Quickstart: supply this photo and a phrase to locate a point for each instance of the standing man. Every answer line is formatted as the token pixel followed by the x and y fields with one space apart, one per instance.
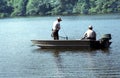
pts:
pixel 56 28
pixel 90 33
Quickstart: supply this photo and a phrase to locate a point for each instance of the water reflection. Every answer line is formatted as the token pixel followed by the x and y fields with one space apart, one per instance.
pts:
pixel 58 61
pixel 56 51
pixel 76 63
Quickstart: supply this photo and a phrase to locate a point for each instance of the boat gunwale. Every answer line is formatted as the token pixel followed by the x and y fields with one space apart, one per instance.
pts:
pixel 86 40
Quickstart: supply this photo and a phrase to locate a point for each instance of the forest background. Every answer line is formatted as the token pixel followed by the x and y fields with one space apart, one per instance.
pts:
pixel 13 8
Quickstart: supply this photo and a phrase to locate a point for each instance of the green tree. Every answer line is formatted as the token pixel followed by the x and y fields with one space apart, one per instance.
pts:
pixel 18 7
pixel 5 9
pixel 57 7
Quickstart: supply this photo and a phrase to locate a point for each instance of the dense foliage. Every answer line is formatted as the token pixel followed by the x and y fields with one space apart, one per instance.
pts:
pixel 10 8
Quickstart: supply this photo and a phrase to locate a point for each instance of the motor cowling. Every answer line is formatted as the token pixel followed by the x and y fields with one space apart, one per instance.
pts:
pixel 104 41
pixel 106 37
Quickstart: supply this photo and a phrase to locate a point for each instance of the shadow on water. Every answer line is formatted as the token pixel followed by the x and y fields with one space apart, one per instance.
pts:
pixel 56 50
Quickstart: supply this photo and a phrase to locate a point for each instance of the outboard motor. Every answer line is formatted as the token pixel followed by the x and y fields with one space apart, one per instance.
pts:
pixel 104 41
pixel 106 37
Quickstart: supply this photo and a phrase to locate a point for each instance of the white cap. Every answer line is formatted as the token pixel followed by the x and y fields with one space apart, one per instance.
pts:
pixel 90 26
pixel 58 18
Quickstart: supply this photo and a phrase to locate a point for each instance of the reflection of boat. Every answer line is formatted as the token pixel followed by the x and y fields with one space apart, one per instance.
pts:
pixel 79 44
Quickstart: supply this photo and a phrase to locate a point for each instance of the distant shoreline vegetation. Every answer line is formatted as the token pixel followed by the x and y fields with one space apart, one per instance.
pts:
pixel 14 8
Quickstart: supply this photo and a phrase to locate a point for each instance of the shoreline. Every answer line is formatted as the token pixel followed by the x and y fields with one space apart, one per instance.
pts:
pixel 60 15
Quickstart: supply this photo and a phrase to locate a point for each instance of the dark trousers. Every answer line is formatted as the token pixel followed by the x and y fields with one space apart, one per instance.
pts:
pixel 55 34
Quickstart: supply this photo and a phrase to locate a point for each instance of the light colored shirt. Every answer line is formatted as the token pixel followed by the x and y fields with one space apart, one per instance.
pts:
pixel 56 25
pixel 90 34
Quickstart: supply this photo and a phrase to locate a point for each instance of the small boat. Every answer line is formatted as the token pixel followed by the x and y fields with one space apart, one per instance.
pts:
pixel 104 42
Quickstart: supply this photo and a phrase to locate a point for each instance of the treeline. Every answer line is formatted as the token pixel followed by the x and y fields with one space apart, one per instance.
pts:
pixel 11 8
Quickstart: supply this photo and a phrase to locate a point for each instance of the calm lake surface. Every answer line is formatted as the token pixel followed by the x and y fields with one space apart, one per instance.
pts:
pixel 20 59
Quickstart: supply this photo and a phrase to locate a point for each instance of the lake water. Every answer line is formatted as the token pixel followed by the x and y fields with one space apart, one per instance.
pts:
pixel 20 59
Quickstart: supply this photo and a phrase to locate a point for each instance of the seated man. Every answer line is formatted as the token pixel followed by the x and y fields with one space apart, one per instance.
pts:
pixel 90 33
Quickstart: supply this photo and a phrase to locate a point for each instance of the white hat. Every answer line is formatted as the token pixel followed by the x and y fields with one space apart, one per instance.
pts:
pixel 58 18
pixel 90 26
